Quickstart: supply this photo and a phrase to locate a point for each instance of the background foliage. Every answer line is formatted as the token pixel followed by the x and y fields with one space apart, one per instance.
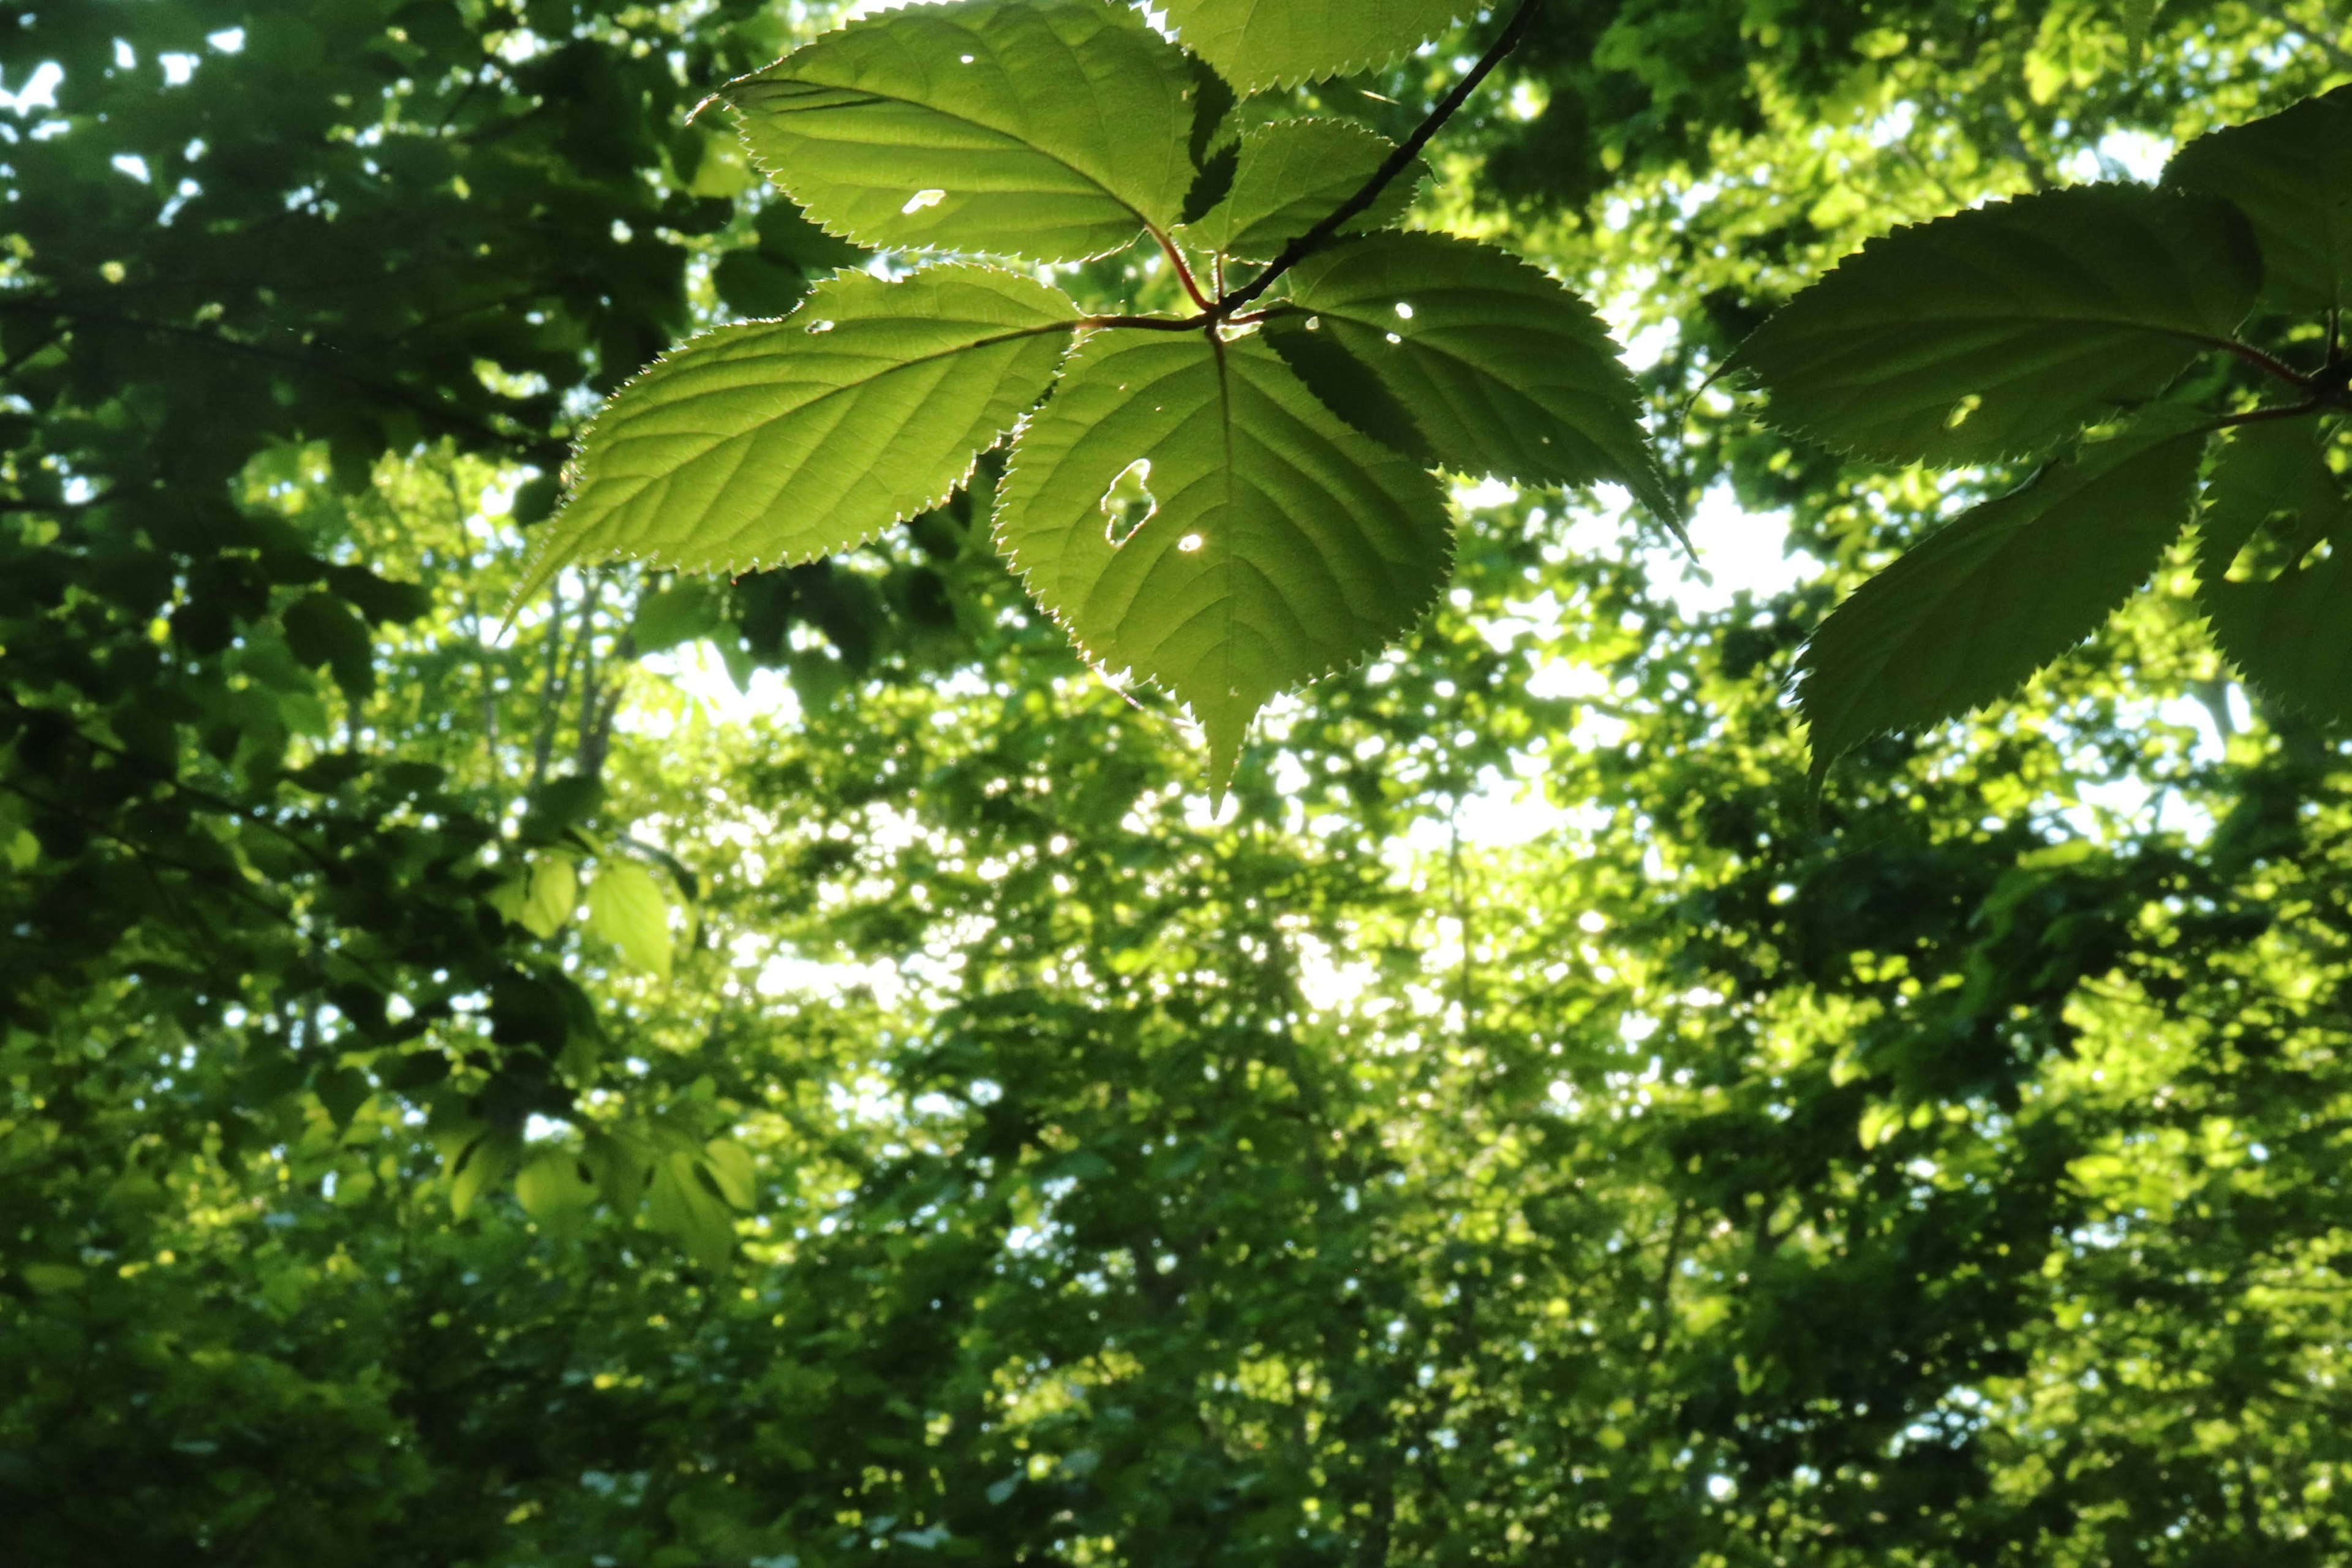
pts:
pixel 1044 1167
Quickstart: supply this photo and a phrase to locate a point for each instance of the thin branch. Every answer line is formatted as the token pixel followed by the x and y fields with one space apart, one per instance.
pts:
pixel 1315 238
pixel 1184 272
pixel 2253 356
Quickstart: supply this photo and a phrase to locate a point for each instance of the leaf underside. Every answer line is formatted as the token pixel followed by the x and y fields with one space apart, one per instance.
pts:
pixel 1260 44
pixel 1503 370
pixel 1285 545
pixel 770 442
pixel 2276 505
pixel 2291 174
pixel 1054 131
pixel 1292 174
pixel 1968 616
pixel 2000 332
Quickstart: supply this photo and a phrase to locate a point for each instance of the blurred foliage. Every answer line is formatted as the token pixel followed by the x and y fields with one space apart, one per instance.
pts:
pixel 1020 1162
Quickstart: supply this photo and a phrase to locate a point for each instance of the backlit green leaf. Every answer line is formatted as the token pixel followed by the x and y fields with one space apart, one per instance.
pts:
pixel 1966 617
pixel 556 1188
pixel 1050 129
pixel 683 1200
pixel 1284 545
pixel 2003 331
pixel 2291 174
pixel 1505 371
pixel 483 1162
pixel 554 891
pixel 2274 565
pixel 1292 174
pixel 781 441
pixel 626 909
pixel 1275 43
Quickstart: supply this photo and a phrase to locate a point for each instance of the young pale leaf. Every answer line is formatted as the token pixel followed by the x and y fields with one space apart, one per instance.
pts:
pixel 1054 129
pixel 479 1165
pixel 1260 44
pixel 626 909
pixel 1505 371
pixel 781 441
pixel 1966 617
pixel 556 1188
pixel 2002 331
pixel 1284 545
pixel 1292 174
pixel 2292 174
pixel 2274 565
pixel 554 891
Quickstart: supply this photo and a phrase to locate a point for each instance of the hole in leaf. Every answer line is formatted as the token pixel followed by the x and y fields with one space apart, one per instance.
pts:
pixel 1128 504
pixel 967 59
pixel 1394 338
pixel 1189 543
pixel 1403 310
pixel 1314 323
pixel 1961 410
pixel 820 326
pixel 922 199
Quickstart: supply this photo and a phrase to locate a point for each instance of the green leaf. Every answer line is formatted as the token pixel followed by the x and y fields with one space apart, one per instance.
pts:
pixel 684 1200
pixel 619 1165
pixel 2291 174
pixel 485 1161
pixel 1505 371
pixel 2274 565
pixel 626 909
pixel 2003 331
pixel 322 629
pixel 1966 617
pixel 556 1188
pixel 1284 546
pixel 781 441
pixel 731 1168
pixel 1292 174
pixel 1054 129
pixel 554 891
pixel 1280 43
pixel 680 612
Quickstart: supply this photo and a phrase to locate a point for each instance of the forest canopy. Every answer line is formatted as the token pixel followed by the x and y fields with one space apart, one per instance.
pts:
pixel 728 1015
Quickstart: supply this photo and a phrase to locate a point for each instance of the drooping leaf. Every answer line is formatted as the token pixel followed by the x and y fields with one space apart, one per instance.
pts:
pixel 626 909
pixel 2274 565
pixel 485 1159
pixel 1966 617
pixel 556 1188
pixel 1290 175
pixel 2291 174
pixel 554 891
pixel 1284 545
pixel 684 1200
pixel 2002 331
pixel 1278 43
pixel 781 441
pixel 1505 371
pixel 1054 129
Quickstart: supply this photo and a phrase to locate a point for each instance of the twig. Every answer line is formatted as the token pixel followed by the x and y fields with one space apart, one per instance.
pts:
pixel 1315 238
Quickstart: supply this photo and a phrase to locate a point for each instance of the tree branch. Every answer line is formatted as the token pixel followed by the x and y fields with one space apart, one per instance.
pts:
pixel 1315 238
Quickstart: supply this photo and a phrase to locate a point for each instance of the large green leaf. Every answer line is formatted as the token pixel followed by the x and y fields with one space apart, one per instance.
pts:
pixel 1049 129
pixel 625 907
pixel 2274 565
pixel 1966 617
pixel 1292 174
pixel 1283 544
pixel 1278 43
pixel 1503 370
pixel 777 441
pixel 2002 331
pixel 2292 174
